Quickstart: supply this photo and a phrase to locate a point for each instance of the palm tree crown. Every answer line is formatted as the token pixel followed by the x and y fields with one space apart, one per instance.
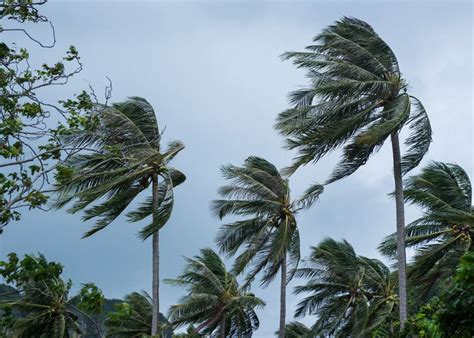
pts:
pixel 351 295
pixel 122 154
pixel 214 300
pixel 445 231
pixel 269 231
pixel 41 304
pixel 132 318
pixel 357 98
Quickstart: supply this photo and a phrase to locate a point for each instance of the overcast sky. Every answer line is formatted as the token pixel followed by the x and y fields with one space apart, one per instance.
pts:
pixel 213 73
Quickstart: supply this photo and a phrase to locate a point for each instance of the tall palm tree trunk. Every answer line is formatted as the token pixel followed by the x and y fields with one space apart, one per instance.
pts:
pixel 281 331
pixel 400 212
pixel 156 262
pixel 223 327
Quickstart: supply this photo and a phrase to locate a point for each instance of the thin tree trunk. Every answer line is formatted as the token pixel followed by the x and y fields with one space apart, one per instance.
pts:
pixel 155 330
pixel 400 211
pixel 281 331
pixel 223 327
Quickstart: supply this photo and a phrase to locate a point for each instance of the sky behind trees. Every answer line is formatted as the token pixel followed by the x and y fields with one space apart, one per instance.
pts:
pixel 213 73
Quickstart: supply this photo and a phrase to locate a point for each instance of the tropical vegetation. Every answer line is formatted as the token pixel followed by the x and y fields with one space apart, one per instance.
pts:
pixel 125 158
pixel 107 160
pixel 446 229
pixel 214 302
pixel 351 295
pixel 40 304
pixel 357 98
pixel 268 234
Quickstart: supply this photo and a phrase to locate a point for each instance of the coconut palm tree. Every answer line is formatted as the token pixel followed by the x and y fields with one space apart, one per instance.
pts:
pixel 214 301
pixel 445 231
pixel 132 318
pixel 45 311
pixel 351 295
pixel 358 99
pixel 268 233
pixel 40 304
pixel 123 158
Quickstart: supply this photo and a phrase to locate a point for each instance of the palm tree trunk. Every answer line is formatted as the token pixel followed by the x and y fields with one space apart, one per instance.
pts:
pixel 155 331
pixel 400 212
pixel 281 331
pixel 223 327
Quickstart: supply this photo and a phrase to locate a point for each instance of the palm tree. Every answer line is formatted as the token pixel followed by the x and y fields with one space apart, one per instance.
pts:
pixel 214 301
pixel 45 311
pixel 445 231
pixel 132 318
pixel 357 99
pixel 269 232
pixel 124 157
pixel 351 295
pixel 40 304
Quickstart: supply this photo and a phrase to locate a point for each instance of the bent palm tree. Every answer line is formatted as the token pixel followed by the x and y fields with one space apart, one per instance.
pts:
pixel 46 311
pixel 214 300
pixel 40 304
pixel 357 98
pixel 269 234
pixel 132 318
pixel 446 229
pixel 350 294
pixel 124 158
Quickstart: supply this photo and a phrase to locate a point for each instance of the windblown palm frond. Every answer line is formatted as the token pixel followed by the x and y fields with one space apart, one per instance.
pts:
pixel 445 230
pixel 214 301
pixel 356 99
pixel 268 233
pixel 42 305
pixel 47 312
pixel 132 318
pixel 123 153
pixel 267 236
pixel 351 295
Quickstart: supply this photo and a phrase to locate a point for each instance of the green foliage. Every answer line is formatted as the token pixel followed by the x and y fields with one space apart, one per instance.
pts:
pixel 43 303
pixel 423 323
pixel 356 99
pixel 123 155
pixel 30 146
pixel 452 312
pixel 268 234
pixel 30 269
pixel 456 316
pixel 131 318
pixel 214 302
pixel 90 299
pixel 445 230
pixel 351 295
pixel 39 304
